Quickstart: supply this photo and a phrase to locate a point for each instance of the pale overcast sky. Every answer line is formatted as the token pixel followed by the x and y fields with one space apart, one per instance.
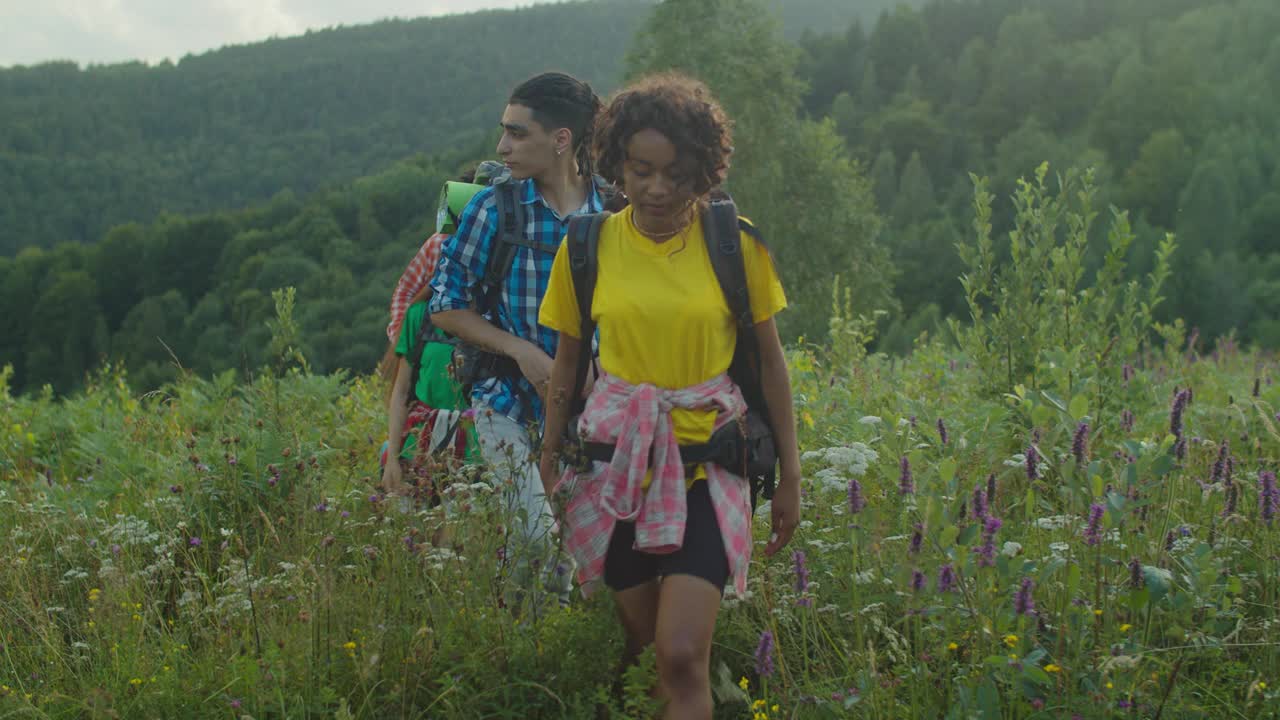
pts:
pixel 98 31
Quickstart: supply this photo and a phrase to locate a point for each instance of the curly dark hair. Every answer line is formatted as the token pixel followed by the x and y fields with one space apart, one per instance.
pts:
pixel 679 107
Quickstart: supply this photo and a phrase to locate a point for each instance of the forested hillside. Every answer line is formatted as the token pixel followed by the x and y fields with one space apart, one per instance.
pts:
pixel 84 150
pixel 336 142
pixel 1175 102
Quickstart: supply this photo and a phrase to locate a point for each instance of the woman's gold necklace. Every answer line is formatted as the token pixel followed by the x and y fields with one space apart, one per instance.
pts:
pixel 655 235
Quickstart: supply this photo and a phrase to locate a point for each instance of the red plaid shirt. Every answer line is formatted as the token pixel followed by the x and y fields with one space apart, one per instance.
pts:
pixel 414 278
pixel 637 418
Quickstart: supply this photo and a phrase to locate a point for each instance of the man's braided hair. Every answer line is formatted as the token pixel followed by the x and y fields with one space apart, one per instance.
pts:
pixel 559 101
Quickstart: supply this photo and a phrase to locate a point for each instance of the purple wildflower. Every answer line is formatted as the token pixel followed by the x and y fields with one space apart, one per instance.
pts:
pixel 1033 462
pixel 856 501
pixel 1168 541
pixel 1136 578
pixel 1093 532
pixel 1180 449
pixel 1233 496
pixel 1023 602
pixel 115 548
pixel 194 541
pixel 764 655
pixel 1080 443
pixel 375 498
pixel 235 703
pixel 322 507
pixel 202 467
pixel 175 489
pixel 1126 420
pixel 1220 466
pixel 1175 413
pixel 917 581
pixel 1126 372
pixel 942 431
pixel 906 484
pixel 917 537
pixel 1268 499
pixel 946 578
pixel 802 572
pixel 987 553
pixel 979 503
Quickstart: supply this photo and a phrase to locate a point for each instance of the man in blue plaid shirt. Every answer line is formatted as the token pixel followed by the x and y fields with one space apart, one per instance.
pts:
pixel 546 146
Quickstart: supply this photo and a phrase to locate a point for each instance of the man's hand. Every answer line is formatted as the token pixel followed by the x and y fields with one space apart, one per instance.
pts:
pixel 785 508
pixel 393 478
pixel 535 365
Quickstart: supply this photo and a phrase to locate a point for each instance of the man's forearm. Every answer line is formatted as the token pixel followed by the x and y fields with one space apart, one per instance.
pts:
pixel 472 328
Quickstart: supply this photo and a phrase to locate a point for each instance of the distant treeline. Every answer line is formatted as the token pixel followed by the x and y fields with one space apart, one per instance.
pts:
pixel 1174 102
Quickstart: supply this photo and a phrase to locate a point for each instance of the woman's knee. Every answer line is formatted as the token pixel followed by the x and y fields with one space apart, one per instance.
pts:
pixel 683 661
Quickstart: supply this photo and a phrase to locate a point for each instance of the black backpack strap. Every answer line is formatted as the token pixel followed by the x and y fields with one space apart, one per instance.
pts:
pixel 510 235
pixel 724 244
pixel 584 241
pixel 722 229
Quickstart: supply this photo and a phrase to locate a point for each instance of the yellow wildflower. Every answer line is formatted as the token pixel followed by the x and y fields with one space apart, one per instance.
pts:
pixel 952 647
pixel 743 683
pixel 1051 668
pixel 135 682
pixel 1109 685
pixel 1097 613
pixel 1126 627
pixel 758 704
pixel 1262 685
pixel 775 706
pixel 1010 640
pixel 137 617
pixel 349 646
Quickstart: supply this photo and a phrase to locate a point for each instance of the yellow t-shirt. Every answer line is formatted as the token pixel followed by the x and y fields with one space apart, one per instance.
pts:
pixel 662 316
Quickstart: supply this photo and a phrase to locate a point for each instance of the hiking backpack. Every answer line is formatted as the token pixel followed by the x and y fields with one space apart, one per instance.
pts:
pixel 748 442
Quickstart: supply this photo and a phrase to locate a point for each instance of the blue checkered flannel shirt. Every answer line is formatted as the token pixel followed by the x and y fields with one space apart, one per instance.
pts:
pixel 457 283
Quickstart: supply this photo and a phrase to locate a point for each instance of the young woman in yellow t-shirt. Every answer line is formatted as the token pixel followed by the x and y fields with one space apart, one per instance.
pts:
pixel 666 332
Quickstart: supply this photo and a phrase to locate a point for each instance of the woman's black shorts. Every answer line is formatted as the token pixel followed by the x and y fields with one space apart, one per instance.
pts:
pixel 702 554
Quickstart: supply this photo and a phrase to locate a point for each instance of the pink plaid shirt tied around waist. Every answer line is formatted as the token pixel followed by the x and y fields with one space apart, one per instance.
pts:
pixel 637 420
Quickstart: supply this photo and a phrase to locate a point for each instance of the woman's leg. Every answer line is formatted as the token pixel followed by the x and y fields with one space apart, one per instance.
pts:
pixel 638 611
pixel 687 609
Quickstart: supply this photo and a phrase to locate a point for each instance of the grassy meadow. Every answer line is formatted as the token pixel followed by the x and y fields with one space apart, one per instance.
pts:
pixel 1064 510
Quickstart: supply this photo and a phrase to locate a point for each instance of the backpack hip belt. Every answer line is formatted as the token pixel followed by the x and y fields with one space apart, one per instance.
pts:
pixel 744 447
